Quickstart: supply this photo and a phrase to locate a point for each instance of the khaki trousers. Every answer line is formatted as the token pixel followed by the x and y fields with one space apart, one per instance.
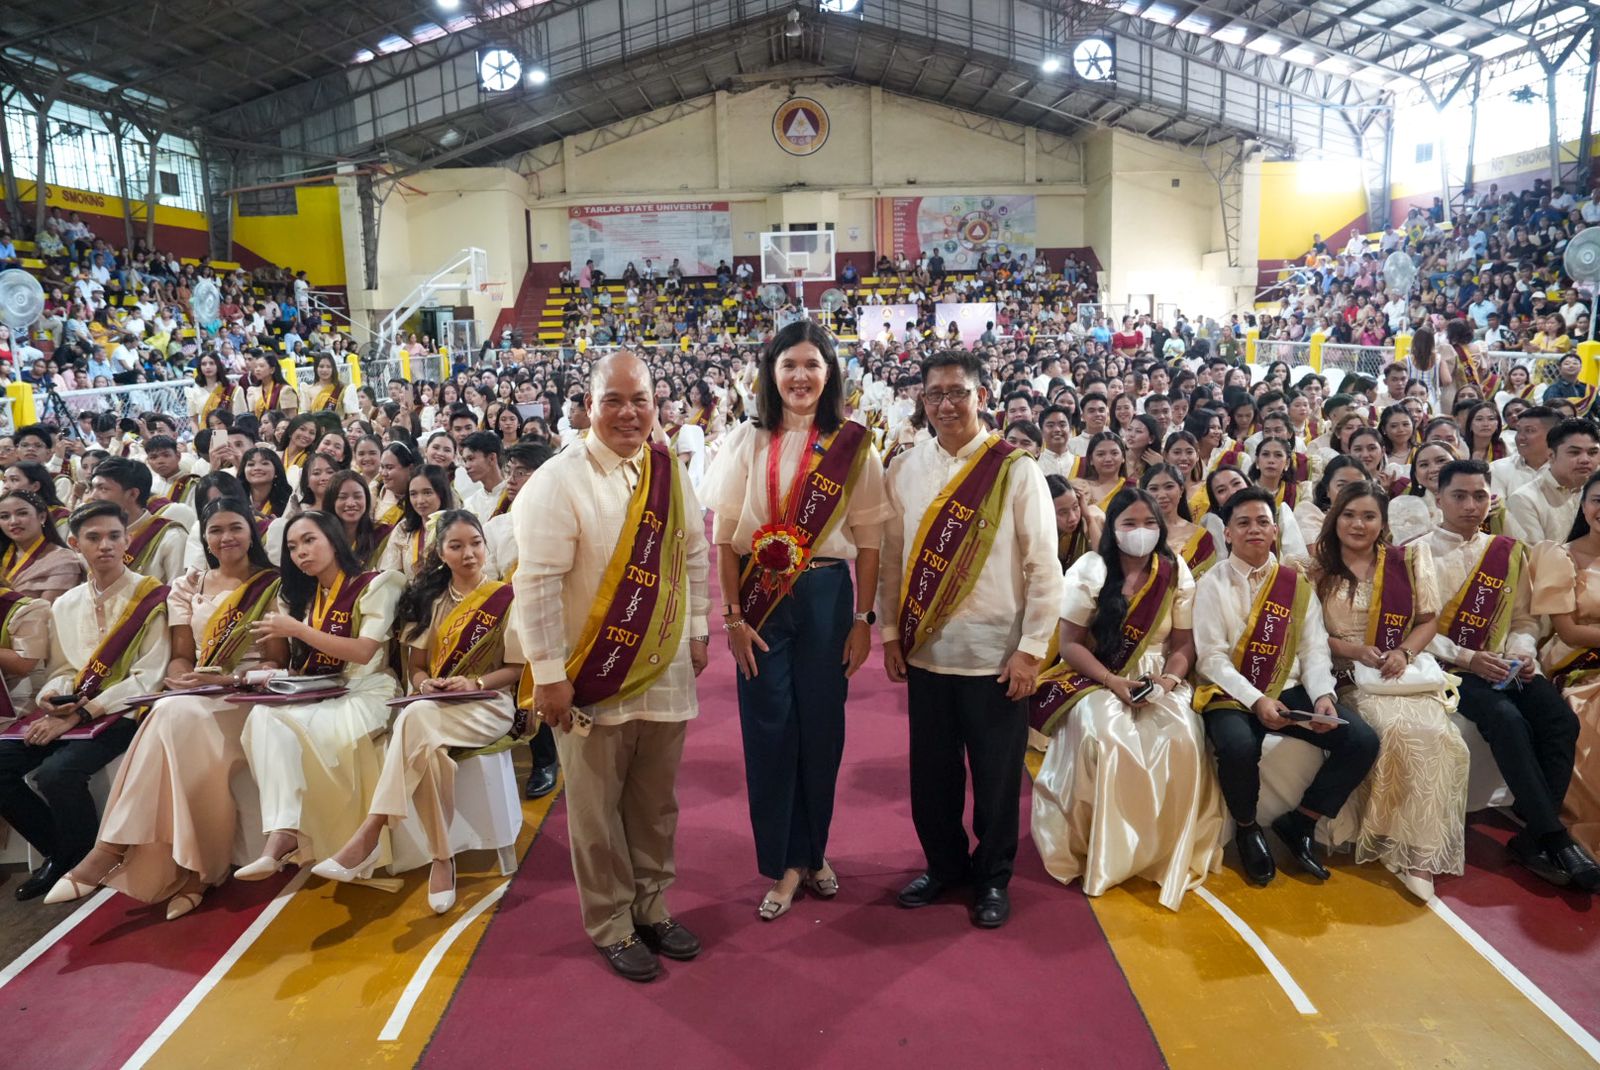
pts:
pixel 622 816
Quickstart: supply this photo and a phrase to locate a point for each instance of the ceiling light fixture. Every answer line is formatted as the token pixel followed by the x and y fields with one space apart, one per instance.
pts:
pixel 1050 64
pixel 449 5
pixel 793 29
pixel 537 76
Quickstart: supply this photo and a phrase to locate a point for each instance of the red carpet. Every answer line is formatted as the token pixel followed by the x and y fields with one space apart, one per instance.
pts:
pixel 94 997
pixel 853 982
pixel 1551 935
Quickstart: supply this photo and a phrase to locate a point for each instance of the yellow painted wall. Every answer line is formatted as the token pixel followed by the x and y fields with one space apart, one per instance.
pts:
pixel 104 204
pixel 310 240
pixel 1302 197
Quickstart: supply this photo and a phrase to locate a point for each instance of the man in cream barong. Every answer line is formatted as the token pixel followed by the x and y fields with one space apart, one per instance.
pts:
pixel 611 603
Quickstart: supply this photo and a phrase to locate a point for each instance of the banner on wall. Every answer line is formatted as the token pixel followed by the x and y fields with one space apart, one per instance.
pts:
pixel 971 320
pixel 698 234
pixel 872 319
pixel 961 228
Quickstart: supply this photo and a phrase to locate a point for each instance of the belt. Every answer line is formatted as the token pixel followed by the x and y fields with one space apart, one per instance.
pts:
pixel 823 562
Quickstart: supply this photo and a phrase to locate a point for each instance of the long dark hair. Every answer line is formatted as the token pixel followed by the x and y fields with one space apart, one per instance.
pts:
pixel 415 610
pixel 1112 605
pixel 1211 497
pixel 1580 526
pixel 278 494
pixel 1416 487
pixel 302 493
pixel 366 539
pixel 298 588
pixel 769 403
pixel 1319 492
pixel 410 519
pixel 47 526
pixel 37 473
pixel 1326 557
pixel 226 484
pixel 257 554
pixel 1165 469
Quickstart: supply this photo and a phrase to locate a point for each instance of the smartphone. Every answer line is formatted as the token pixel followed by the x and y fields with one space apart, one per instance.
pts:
pixel 1142 692
pixel 62 700
pixel 1511 677
pixel 1305 716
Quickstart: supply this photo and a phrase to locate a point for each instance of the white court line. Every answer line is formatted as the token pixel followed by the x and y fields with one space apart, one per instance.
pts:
pixel 1575 1032
pixel 51 938
pixel 430 962
pixel 219 969
pixel 1296 994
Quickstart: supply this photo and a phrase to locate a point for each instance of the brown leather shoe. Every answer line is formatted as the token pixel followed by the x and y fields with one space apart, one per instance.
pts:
pixel 670 940
pixel 632 959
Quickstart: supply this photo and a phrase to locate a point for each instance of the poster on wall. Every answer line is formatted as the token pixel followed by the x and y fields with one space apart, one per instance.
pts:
pixel 961 228
pixel 970 319
pixel 872 319
pixel 699 234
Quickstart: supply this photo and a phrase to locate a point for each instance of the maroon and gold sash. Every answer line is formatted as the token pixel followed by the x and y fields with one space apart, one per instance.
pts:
pixel 1200 552
pixel 503 506
pixel 672 433
pixel 952 543
pixel 10 602
pixel 636 626
pixel 1390 613
pixel 894 451
pixel 821 495
pixel 142 546
pixel 1488 385
pixel 380 543
pixel 1288 493
pixel 1061 686
pixel 268 401
pixel 335 616
pixel 468 636
pixel 17 561
pixel 327 399
pixel 1301 470
pixel 1478 616
pixel 59 514
pixel 228 635
pixel 1233 455
pixel 1071 547
pixel 221 397
pixel 1266 648
pixel 114 656
pixel 180 488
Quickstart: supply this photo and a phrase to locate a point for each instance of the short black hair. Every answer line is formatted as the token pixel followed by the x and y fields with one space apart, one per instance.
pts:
pixel 41 432
pixel 458 411
pixel 1571 428
pixel 160 442
pixel 126 474
pixel 531 454
pixel 1469 467
pixel 1249 494
pixel 967 362
pixel 91 510
pixel 482 442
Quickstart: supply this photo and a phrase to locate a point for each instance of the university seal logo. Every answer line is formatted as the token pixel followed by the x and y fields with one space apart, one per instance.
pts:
pixel 800 126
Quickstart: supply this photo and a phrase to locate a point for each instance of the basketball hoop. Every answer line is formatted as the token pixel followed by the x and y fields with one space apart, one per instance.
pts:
pixel 494 292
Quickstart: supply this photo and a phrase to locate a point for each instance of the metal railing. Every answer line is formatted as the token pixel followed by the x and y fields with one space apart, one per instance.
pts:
pixel 1357 360
pixel 65 406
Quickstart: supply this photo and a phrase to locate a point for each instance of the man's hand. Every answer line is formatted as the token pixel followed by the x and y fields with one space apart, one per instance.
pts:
pixel 1529 667
pixel 894 663
pixel 1490 667
pixel 699 656
pixel 1326 708
pixel 1269 711
pixel 1021 675
pixel 857 645
pixel 553 702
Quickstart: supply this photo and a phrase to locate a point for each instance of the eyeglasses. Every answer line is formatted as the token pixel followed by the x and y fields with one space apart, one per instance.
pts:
pixel 934 398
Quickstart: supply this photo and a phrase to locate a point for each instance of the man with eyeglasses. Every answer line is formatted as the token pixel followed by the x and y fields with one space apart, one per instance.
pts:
pixel 970 597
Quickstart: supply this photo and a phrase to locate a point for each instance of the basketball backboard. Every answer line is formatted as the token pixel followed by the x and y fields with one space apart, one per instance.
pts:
pixel 797 255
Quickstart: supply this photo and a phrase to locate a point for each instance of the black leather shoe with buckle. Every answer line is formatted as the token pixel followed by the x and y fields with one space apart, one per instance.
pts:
pixel 632 959
pixel 669 940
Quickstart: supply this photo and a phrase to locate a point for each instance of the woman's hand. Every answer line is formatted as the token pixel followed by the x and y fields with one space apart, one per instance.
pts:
pixel 1393 664
pixel 1121 688
pixel 278 626
pixel 857 645
pixel 744 642
pixel 180 681
pixel 1371 657
pixel 455 683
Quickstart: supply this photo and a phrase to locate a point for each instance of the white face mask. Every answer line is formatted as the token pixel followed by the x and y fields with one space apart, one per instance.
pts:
pixel 1137 542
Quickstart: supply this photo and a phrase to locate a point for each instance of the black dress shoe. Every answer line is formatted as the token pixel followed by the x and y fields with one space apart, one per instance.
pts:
pixel 1579 866
pixel 1255 857
pixel 541 782
pixel 669 940
pixel 924 891
pixel 991 908
pixel 1302 846
pixel 1526 852
pixel 39 881
pixel 632 959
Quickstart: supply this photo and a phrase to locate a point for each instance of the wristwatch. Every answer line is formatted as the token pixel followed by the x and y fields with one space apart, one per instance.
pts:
pixel 869 617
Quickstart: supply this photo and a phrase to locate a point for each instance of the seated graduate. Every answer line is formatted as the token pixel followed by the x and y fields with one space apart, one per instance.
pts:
pixel 1126 789
pixel 316 763
pixel 170 819
pixel 108 640
pixel 1263 662
pixel 453 622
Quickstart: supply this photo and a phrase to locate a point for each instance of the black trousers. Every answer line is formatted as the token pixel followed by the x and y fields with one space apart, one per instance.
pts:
pixel 543 746
pixel 791 719
pixel 57 815
pixel 1236 736
pixel 1534 736
pixel 959 722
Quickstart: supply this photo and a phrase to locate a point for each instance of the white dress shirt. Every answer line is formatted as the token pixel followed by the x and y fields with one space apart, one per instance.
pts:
pixel 1454 559
pixel 1543 510
pixel 1222 598
pixel 1016 600
pixel 568 520
pixel 80 620
pixel 1511 473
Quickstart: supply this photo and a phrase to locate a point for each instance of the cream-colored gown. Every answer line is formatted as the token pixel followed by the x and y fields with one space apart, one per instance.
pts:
pixel 1129 793
pixel 1559 586
pixel 1411 811
pixel 172 803
pixel 417 766
pixel 317 763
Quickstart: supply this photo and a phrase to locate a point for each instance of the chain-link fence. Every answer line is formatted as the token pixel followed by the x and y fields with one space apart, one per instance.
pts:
pixel 63 407
pixel 1356 360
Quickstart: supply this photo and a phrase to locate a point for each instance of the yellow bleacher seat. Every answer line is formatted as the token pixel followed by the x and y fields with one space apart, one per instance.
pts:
pixel 225 265
pixel 190 260
pixel 25 246
pixel 32 263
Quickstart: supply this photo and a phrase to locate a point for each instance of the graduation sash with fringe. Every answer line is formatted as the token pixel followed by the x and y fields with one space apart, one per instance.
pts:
pixel 114 656
pixel 1266 648
pixel 1393 603
pixel 142 545
pixel 467 639
pixel 1478 616
pixel 336 615
pixel 228 635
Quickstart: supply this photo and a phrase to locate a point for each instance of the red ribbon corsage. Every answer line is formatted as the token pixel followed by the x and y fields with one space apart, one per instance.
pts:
pixel 781 552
